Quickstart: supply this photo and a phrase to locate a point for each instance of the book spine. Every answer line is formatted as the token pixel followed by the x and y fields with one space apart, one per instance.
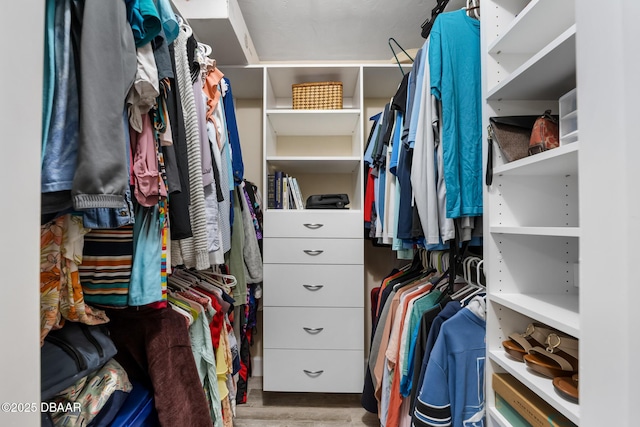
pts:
pixel 299 198
pixel 271 191
pixel 285 191
pixel 295 204
pixel 278 187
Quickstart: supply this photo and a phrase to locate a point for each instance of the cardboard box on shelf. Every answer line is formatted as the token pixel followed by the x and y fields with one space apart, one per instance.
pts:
pixel 528 404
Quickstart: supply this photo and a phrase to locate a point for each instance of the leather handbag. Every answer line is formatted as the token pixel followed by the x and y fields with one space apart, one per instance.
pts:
pixel 545 134
pixel 512 135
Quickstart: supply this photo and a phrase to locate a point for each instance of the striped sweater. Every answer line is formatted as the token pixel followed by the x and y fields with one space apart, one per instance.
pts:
pixel 194 249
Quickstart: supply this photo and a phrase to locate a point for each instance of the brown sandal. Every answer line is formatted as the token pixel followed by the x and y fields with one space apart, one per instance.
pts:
pixel 519 344
pixel 567 387
pixel 558 359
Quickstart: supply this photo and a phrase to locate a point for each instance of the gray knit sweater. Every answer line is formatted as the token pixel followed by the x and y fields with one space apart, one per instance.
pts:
pixel 194 249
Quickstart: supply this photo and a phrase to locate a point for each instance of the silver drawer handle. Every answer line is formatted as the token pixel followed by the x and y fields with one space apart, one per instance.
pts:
pixel 313 331
pixel 313 373
pixel 313 252
pixel 313 226
pixel 313 287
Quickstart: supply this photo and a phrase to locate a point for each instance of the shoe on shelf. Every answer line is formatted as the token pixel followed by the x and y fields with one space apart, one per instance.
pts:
pixel 519 344
pixel 558 359
pixel 567 387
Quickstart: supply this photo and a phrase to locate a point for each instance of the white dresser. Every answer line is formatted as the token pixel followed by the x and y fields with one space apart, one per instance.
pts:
pixel 313 301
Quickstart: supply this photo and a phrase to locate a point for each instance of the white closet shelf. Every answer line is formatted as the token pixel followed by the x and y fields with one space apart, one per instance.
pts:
pixel 538 231
pixel 282 76
pixel 314 122
pixel 498 418
pixel 572 114
pixel 540 385
pixel 559 161
pixel 302 164
pixel 548 75
pixel 556 15
pixel 560 311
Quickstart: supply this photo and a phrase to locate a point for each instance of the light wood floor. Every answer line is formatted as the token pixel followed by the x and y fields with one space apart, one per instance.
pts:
pixel 269 409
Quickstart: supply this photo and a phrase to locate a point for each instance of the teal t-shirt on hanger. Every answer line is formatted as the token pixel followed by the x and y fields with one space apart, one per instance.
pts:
pixel 454 61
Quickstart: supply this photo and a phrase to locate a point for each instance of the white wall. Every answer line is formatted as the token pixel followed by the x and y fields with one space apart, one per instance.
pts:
pixel 249 118
pixel 20 121
pixel 608 92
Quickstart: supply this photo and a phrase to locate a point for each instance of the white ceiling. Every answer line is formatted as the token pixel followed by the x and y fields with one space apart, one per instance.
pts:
pixel 243 33
pixel 334 30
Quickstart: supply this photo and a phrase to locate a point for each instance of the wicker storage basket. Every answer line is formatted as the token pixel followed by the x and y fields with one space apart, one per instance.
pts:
pixel 317 96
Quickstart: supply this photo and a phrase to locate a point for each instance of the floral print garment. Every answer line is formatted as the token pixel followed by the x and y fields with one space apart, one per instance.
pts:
pixel 61 243
pixel 91 392
pixel 50 276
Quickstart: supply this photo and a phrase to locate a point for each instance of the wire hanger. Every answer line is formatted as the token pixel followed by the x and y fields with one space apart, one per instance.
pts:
pixel 391 39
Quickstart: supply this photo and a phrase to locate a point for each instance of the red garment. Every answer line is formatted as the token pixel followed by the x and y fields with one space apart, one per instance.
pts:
pixel 157 305
pixel 369 197
pixel 217 323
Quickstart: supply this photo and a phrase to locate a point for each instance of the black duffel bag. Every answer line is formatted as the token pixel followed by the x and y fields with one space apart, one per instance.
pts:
pixel 71 353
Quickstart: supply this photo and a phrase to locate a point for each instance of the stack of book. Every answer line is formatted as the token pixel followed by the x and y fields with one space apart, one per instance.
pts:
pixel 284 192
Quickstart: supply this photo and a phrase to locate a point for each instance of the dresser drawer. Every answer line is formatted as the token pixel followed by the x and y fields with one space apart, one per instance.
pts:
pixel 313 251
pixel 313 223
pixel 313 328
pixel 303 285
pixel 326 371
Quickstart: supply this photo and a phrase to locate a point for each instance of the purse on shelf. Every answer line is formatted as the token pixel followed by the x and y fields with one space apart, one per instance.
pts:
pixel 512 135
pixel 545 134
pixel 521 136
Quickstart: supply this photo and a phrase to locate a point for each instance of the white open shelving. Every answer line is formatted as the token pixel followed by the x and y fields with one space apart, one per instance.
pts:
pixel 532 221
pixel 538 231
pixel 314 122
pixel 317 164
pixel 517 36
pixel 547 74
pixel 560 311
pixel 561 160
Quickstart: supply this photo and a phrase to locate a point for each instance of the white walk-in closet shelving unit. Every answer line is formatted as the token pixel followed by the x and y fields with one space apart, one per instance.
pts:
pixel 561 227
pixel 314 290
pixel 532 209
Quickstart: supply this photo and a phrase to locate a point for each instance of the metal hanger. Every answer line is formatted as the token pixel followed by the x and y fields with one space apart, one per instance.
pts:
pixel 391 39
